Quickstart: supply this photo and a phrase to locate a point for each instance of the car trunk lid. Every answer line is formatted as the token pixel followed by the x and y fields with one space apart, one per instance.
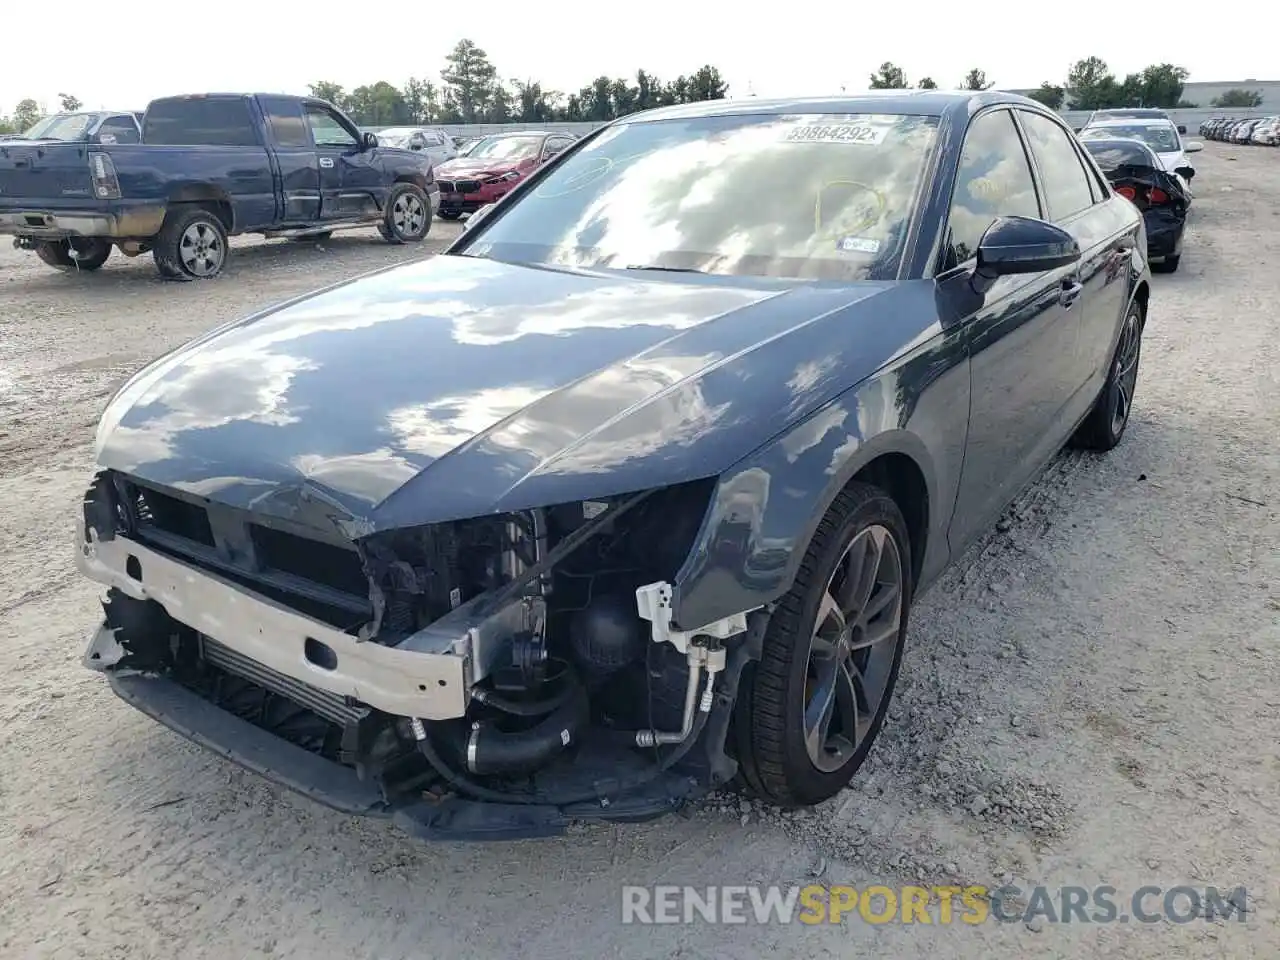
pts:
pixel 44 170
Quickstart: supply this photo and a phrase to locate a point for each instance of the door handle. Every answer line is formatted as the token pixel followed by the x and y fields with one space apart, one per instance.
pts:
pixel 326 162
pixel 1070 293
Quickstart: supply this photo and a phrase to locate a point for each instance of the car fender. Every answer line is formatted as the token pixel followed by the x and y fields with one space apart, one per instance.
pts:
pixel 766 508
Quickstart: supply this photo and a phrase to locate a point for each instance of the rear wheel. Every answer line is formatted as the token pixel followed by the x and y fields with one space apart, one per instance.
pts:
pixel 831 654
pixel 408 215
pixel 1106 423
pixel 78 254
pixel 191 245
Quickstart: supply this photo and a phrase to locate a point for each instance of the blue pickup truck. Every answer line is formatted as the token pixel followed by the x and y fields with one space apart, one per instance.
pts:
pixel 209 167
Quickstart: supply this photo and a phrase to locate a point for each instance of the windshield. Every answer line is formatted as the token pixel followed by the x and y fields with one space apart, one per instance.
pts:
pixel 817 197
pixel 62 126
pixel 1113 154
pixel 505 148
pixel 1160 137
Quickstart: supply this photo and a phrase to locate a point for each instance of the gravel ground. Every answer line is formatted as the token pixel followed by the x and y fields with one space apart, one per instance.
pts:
pixel 1089 697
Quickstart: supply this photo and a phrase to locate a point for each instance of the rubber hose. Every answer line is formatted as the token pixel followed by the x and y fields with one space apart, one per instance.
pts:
pixel 531 708
pixel 492 752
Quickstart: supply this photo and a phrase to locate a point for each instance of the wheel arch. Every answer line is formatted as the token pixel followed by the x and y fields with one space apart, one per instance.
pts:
pixel 210 197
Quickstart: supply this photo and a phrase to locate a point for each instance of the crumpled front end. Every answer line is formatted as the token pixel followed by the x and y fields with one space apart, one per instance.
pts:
pixel 492 677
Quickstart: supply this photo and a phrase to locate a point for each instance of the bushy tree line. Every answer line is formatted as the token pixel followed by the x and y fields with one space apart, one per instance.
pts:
pixel 471 91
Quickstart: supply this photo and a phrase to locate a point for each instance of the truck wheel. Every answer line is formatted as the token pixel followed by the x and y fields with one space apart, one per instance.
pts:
pixel 408 215
pixel 191 245
pixel 76 254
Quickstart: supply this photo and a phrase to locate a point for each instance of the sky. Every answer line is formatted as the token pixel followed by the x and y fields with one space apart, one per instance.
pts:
pixel 124 55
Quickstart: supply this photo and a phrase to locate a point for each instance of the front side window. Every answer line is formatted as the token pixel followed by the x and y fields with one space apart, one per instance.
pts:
pixel 326 129
pixel 1066 185
pixel 824 197
pixel 993 180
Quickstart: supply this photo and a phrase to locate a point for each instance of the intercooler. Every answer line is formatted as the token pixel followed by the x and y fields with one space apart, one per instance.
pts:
pixel 331 706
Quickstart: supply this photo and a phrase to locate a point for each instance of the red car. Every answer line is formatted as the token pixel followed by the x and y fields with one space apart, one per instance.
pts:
pixel 492 167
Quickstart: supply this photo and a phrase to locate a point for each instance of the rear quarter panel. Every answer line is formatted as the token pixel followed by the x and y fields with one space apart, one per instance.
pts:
pixel 241 177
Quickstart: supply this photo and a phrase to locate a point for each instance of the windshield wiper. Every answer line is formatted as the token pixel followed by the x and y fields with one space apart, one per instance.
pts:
pixel 642 266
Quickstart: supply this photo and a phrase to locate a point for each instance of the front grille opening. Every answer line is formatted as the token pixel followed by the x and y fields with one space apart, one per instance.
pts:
pixel 323 563
pixel 171 515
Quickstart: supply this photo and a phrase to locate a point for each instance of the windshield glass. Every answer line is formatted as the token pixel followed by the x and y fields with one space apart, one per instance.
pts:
pixel 1160 137
pixel 818 197
pixel 505 148
pixel 62 126
pixel 1113 154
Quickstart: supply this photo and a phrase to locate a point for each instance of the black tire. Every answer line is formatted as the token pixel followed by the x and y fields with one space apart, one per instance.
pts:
pixel 77 254
pixel 407 218
pixel 318 237
pixel 449 214
pixel 1168 265
pixel 191 245
pixel 770 724
pixel 1106 423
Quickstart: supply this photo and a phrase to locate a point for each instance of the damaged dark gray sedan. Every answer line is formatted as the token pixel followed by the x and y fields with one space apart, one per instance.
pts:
pixel 626 497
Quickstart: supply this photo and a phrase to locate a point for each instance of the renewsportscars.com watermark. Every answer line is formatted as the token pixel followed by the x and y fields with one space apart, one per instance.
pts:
pixel 970 905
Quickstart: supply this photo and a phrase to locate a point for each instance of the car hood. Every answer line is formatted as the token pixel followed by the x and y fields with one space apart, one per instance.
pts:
pixel 457 387
pixel 465 166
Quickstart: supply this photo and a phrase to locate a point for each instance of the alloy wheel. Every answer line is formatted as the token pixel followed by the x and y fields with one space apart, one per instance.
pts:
pixel 1125 376
pixel 202 250
pixel 852 649
pixel 408 215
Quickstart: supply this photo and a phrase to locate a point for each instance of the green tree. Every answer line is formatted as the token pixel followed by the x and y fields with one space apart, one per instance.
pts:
pixel 6 125
pixel 469 78
pixel 707 84
pixel 889 77
pixel 1091 86
pixel 648 90
pixel 1159 85
pixel 333 92
pixel 532 103
pixel 69 102
pixel 25 114
pixel 420 100
pixel 1238 97
pixel 927 83
pixel 975 79
pixel 378 105
pixel 1050 94
pixel 677 91
pixel 500 107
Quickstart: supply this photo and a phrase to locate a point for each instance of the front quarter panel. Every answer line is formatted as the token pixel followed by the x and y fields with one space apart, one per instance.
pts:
pixel 766 507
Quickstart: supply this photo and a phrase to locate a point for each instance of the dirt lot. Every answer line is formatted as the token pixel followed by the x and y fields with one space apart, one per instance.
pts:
pixel 1090 697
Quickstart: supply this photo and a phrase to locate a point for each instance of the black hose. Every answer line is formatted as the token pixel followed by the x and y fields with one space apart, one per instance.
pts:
pixel 491 751
pixel 528 708
pixel 468 786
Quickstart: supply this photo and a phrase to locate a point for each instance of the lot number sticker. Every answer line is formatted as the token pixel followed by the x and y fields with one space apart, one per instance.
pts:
pixel 837 133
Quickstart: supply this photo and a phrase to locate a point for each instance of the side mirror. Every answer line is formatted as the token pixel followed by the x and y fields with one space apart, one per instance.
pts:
pixel 476 217
pixel 1186 173
pixel 1016 245
pixel 1193 146
pixel 1182 128
pixel 368 141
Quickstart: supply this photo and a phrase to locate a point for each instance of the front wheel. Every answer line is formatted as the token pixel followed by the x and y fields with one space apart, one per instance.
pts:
pixel 408 215
pixel 1106 423
pixel 78 254
pixel 831 654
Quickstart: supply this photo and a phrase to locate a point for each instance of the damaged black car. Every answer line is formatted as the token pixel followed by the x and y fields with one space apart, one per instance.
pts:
pixel 1137 175
pixel 626 496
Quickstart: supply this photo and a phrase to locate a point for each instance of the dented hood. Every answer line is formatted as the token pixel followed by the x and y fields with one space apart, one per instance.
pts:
pixel 456 387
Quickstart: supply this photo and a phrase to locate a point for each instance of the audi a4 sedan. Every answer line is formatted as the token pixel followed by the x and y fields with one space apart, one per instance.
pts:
pixel 627 495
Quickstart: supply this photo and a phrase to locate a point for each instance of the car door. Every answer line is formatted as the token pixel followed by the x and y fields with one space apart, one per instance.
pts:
pixel 1080 202
pixel 296 158
pixel 1020 337
pixel 349 175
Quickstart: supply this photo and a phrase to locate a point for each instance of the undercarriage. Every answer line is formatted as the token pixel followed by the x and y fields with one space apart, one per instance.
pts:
pixel 494 677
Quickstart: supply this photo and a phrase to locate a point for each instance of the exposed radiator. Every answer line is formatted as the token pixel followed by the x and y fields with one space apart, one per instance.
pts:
pixel 331 706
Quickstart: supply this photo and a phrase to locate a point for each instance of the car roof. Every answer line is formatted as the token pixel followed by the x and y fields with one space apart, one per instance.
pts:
pixel 925 103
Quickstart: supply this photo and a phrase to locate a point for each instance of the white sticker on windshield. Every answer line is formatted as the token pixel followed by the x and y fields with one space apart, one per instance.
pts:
pixel 858 245
pixel 837 133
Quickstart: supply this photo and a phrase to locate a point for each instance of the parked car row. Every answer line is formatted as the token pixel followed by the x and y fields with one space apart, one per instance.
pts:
pixel 1263 131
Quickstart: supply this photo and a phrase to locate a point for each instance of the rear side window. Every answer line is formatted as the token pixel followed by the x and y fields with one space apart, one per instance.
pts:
pixel 288 129
pixel 993 180
pixel 198 121
pixel 118 130
pixel 1065 182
